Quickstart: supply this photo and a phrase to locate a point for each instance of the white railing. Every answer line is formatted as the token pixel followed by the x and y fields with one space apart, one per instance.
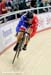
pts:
pixel 20 11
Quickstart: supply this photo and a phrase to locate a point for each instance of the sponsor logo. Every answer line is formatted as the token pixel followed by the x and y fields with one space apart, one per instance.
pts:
pixel 7 32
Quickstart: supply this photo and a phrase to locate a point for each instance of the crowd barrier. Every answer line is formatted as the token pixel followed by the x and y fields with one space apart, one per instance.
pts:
pixel 20 11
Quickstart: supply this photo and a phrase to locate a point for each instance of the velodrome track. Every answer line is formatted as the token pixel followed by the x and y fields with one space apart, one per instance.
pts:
pixel 35 61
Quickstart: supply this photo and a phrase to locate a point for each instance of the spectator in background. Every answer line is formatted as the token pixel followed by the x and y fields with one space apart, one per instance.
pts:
pixel 0 8
pixel 22 5
pixel 34 5
pixel 38 3
pixel 3 8
pixel 8 4
pixel 0 0
pixel 15 5
pixel 43 3
pixel 50 5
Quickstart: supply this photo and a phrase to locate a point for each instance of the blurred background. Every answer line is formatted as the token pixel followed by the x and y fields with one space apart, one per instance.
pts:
pixel 8 6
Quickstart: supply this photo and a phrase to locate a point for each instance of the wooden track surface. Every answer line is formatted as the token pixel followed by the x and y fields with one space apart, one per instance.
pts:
pixel 35 61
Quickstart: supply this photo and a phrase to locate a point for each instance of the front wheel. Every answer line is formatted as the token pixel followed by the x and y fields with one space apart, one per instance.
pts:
pixel 14 57
pixel 18 52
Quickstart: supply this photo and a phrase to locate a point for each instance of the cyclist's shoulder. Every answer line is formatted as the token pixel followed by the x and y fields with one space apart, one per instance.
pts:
pixel 23 17
pixel 35 16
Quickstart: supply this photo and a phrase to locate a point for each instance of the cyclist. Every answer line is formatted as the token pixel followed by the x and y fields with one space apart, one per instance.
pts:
pixel 31 30
pixel 24 23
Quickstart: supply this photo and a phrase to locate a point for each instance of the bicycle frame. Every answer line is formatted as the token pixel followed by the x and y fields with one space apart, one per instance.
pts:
pixel 19 48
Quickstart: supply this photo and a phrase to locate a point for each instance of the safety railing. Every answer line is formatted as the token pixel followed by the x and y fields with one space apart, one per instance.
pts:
pixel 4 16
